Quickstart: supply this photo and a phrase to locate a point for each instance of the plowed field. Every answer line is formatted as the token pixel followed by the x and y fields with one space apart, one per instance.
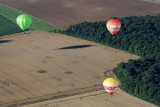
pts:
pixel 63 13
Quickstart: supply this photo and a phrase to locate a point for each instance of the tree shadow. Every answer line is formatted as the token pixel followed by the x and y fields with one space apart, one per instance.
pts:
pixel 75 47
pixel 5 41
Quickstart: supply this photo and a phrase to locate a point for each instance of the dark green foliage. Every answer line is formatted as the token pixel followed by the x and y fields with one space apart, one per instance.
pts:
pixel 138 35
pixel 68 72
pixel 7 27
pixel 140 78
pixel 42 71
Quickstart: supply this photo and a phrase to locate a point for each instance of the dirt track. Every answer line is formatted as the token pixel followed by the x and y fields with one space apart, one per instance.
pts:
pixel 63 13
pixel 70 63
pixel 96 99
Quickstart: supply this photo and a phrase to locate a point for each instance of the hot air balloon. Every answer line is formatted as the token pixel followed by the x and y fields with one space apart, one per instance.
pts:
pixel 113 25
pixel 109 85
pixel 24 21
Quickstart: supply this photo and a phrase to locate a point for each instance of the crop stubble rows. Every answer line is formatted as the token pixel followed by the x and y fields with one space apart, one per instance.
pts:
pixel 24 55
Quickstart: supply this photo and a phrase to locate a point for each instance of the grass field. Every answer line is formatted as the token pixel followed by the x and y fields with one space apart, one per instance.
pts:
pixel 37 24
pixel 7 27
pixel 154 1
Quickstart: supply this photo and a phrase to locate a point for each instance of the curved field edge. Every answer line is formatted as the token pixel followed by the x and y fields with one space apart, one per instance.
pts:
pixel 139 36
pixel 37 24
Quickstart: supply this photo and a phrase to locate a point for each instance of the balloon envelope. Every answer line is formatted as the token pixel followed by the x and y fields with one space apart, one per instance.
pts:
pixel 110 84
pixel 24 21
pixel 113 25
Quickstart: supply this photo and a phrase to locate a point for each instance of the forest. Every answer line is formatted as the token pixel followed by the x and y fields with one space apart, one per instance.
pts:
pixel 139 35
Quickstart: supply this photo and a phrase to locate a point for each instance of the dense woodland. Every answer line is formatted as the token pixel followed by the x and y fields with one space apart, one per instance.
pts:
pixel 138 35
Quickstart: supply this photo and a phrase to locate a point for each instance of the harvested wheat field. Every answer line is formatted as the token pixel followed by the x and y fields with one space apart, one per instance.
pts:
pixel 63 13
pixel 40 65
pixel 95 99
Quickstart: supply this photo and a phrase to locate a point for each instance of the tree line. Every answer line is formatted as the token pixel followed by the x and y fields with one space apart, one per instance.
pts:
pixel 138 35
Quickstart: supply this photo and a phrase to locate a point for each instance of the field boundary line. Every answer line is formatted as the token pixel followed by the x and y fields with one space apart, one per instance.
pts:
pixel 58 95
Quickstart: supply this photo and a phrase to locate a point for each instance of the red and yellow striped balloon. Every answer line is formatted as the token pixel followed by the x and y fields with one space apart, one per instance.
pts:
pixel 110 84
pixel 113 25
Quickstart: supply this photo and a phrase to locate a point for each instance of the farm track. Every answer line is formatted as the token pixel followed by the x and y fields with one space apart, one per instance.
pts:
pixel 95 99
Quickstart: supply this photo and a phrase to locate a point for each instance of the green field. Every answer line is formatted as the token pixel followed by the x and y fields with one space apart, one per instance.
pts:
pixel 8 24
pixel 7 27
pixel 155 1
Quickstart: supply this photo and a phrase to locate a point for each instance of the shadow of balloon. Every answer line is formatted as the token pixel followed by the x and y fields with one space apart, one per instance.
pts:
pixel 5 41
pixel 75 47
